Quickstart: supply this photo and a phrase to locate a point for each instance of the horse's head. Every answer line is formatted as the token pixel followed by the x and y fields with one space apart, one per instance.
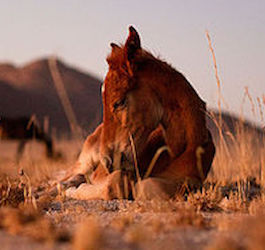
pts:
pixel 132 108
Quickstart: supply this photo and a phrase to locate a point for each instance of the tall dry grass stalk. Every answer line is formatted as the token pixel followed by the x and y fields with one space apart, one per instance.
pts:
pixel 135 158
pixel 241 157
pixel 253 109
pixel 239 153
pixel 216 76
pixel 62 93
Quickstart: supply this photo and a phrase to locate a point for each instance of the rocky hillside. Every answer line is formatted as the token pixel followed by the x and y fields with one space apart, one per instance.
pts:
pixel 232 125
pixel 30 90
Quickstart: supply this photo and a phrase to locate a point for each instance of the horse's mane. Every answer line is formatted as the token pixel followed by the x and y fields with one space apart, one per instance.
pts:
pixel 143 59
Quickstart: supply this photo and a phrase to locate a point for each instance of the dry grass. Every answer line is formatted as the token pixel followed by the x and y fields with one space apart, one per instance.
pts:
pixel 27 221
pixel 217 207
pixel 239 156
pixel 88 235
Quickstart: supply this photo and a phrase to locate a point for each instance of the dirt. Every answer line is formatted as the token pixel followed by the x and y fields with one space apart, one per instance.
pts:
pixel 132 225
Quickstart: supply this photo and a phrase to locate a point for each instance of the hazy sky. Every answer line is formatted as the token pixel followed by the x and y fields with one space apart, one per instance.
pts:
pixel 80 32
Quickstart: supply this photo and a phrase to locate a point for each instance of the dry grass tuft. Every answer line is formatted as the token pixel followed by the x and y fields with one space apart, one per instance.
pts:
pixel 122 222
pixel 189 217
pixel 27 222
pixel 253 229
pixel 11 194
pixel 244 232
pixel 206 200
pixel 225 243
pixel 257 207
pixel 135 234
pixel 163 215
pixel 44 202
pixel 88 235
pixel 155 206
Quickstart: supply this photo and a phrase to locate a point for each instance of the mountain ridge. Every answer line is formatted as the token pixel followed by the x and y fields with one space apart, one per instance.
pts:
pixel 32 89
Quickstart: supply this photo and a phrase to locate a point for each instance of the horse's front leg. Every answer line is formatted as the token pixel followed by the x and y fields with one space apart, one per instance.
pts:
pixel 109 188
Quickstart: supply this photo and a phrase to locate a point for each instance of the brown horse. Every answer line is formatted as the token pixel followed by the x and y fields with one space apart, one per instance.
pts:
pixel 147 105
pixel 142 93
pixel 23 130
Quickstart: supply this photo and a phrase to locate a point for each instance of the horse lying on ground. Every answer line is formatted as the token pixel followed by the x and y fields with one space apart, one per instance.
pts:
pixel 23 130
pixel 146 101
pixel 91 179
pixel 103 180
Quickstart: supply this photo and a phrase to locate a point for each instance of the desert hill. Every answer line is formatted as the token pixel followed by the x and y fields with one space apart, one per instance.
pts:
pixel 232 125
pixel 30 90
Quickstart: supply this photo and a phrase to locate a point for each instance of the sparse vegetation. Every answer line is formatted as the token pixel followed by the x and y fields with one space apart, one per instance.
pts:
pixel 229 206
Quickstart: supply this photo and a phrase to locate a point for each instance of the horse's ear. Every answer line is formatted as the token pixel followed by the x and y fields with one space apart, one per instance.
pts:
pixel 132 44
pixel 114 46
pixel 115 51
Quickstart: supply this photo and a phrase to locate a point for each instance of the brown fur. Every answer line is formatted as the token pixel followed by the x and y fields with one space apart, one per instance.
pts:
pixel 142 93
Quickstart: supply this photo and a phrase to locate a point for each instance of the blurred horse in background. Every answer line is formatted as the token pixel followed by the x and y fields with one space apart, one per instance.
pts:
pixel 24 129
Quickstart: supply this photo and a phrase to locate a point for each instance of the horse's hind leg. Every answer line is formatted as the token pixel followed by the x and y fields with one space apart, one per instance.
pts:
pixel 42 137
pixel 156 188
pixel 20 150
pixel 49 148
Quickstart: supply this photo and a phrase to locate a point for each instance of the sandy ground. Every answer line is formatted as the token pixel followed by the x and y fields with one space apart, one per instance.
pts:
pixel 145 230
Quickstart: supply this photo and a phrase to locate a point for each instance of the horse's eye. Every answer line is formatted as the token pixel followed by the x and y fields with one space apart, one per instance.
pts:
pixel 120 104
